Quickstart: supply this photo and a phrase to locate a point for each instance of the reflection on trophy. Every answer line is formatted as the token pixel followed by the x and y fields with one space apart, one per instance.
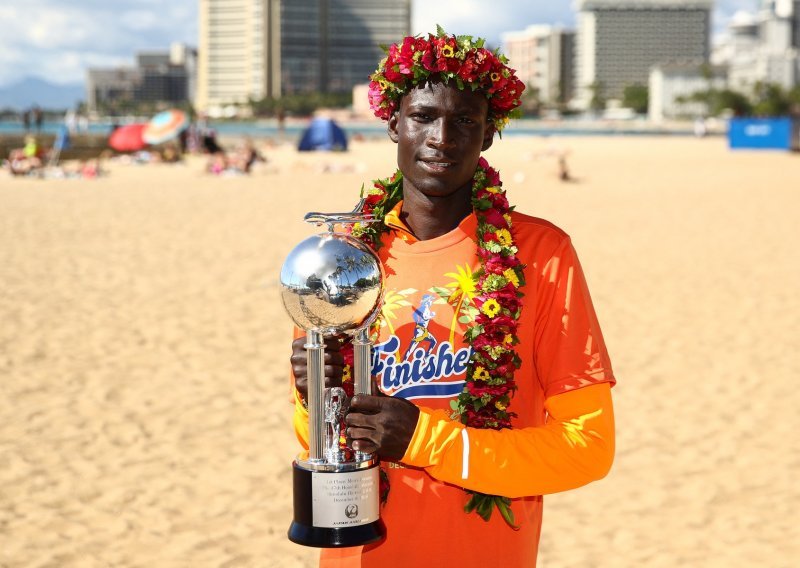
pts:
pixel 331 284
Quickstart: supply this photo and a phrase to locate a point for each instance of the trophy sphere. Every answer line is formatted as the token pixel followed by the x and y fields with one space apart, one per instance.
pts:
pixel 331 283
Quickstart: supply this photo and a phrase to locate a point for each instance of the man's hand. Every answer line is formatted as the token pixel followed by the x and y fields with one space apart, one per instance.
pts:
pixel 334 364
pixel 381 424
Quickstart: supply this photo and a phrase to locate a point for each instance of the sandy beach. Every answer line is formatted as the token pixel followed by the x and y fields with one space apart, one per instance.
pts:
pixel 144 354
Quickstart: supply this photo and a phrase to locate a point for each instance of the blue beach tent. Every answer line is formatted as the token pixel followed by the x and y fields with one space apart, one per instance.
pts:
pixel 323 134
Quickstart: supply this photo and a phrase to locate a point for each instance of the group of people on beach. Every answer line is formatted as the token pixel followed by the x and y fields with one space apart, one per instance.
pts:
pixel 33 118
pixel 221 162
pixel 34 160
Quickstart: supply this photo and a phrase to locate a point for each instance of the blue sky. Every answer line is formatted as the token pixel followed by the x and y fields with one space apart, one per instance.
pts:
pixel 57 39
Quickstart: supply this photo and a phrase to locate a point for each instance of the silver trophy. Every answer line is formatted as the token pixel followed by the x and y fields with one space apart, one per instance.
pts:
pixel 332 284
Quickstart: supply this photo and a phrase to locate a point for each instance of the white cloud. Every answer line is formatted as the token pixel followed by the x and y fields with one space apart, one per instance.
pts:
pixel 57 39
pixel 140 20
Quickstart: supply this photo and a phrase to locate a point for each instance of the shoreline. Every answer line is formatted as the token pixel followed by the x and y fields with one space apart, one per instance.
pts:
pixel 269 127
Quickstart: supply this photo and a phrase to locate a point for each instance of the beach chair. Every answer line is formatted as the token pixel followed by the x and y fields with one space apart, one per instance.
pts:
pixel 61 143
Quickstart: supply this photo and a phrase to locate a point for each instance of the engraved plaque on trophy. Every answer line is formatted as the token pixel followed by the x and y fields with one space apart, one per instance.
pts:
pixel 332 284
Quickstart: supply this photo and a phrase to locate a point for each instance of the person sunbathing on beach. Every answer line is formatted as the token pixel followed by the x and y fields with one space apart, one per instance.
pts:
pixel 513 399
pixel 27 160
pixel 245 156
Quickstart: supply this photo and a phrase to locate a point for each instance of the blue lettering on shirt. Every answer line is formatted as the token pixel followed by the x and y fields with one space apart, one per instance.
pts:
pixel 419 374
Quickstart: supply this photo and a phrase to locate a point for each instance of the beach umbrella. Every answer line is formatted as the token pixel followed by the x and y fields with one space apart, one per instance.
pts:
pixel 165 126
pixel 127 138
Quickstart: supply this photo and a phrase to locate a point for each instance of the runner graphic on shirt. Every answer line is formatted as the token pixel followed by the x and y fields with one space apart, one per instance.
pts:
pixel 422 317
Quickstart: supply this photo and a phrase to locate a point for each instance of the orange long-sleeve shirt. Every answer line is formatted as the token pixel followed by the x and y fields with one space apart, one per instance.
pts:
pixel 562 437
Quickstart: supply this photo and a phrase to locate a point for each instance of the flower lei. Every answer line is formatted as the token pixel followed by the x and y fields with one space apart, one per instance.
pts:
pixel 492 320
pixel 460 59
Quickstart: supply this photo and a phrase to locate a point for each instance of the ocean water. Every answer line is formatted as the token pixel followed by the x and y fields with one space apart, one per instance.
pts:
pixel 269 129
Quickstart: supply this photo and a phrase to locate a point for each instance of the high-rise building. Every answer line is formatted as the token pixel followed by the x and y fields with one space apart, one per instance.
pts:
pixel 233 54
pixel 543 57
pixel 158 77
pixel 763 47
pixel 620 41
pixel 250 49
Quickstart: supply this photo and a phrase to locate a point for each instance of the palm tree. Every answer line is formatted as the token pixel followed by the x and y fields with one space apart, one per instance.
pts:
pixel 463 290
pixel 391 302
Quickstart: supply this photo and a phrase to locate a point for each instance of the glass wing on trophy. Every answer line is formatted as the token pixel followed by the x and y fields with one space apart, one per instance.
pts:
pixel 332 283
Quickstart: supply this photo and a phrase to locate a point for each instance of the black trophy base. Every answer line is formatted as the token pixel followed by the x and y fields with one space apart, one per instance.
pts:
pixel 303 532
pixel 320 537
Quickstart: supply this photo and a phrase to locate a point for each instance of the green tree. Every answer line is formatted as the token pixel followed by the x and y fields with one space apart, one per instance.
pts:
pixel 770 100
pixel 734 101
pixel 531 102
pixel 718 101
pixel 598 100
pixel 300 104
pixel 636 97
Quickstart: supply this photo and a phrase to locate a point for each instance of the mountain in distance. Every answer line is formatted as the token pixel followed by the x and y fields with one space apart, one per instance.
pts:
pixel 32 91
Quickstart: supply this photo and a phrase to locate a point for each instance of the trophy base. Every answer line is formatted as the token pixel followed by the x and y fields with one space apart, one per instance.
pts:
pixel 303 530
pixel 321 537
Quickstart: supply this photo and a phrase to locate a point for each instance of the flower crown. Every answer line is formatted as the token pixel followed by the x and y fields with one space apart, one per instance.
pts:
pixel 461 60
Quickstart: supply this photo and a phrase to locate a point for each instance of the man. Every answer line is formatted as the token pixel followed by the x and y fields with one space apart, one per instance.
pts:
pixel 514 401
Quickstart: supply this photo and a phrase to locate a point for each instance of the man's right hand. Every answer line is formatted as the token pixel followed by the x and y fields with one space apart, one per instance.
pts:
pixel 334 364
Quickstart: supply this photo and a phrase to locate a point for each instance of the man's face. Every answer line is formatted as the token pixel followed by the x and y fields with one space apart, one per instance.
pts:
pixel 440 132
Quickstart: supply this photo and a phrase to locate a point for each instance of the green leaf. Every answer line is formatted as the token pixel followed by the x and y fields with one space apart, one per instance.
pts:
pixel 485 506
pixel 471 504
pixel 440 31
pixel 443 292
pixel 464 319
pixel 503 505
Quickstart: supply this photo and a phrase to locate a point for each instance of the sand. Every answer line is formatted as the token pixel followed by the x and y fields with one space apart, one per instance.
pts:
pixel 143 354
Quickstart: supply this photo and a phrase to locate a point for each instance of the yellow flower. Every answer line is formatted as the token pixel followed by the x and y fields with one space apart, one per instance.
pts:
pixel 447 51
pixel 507 217
pixel 493 189
pixel 499 405
pixel 480 374
pixel 490 307
pixel 504 237
pixel 511 276
pixel 495 77
pixel 347 373
pixel 508 339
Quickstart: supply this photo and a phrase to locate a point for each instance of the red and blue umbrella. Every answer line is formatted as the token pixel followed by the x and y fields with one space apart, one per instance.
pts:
pixel 165 126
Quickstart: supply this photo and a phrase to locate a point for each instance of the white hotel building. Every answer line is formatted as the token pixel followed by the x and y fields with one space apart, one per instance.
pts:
pixel 620 41
pixel 251 49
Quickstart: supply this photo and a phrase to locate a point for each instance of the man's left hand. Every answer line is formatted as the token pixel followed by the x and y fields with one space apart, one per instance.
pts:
pixel 382 424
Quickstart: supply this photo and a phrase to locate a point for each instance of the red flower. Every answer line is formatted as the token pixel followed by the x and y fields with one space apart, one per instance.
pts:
pixel 405 57
pixel 493 217
pixel 497 264
pixel 492 176
pixel 499 201
pixel 373 200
